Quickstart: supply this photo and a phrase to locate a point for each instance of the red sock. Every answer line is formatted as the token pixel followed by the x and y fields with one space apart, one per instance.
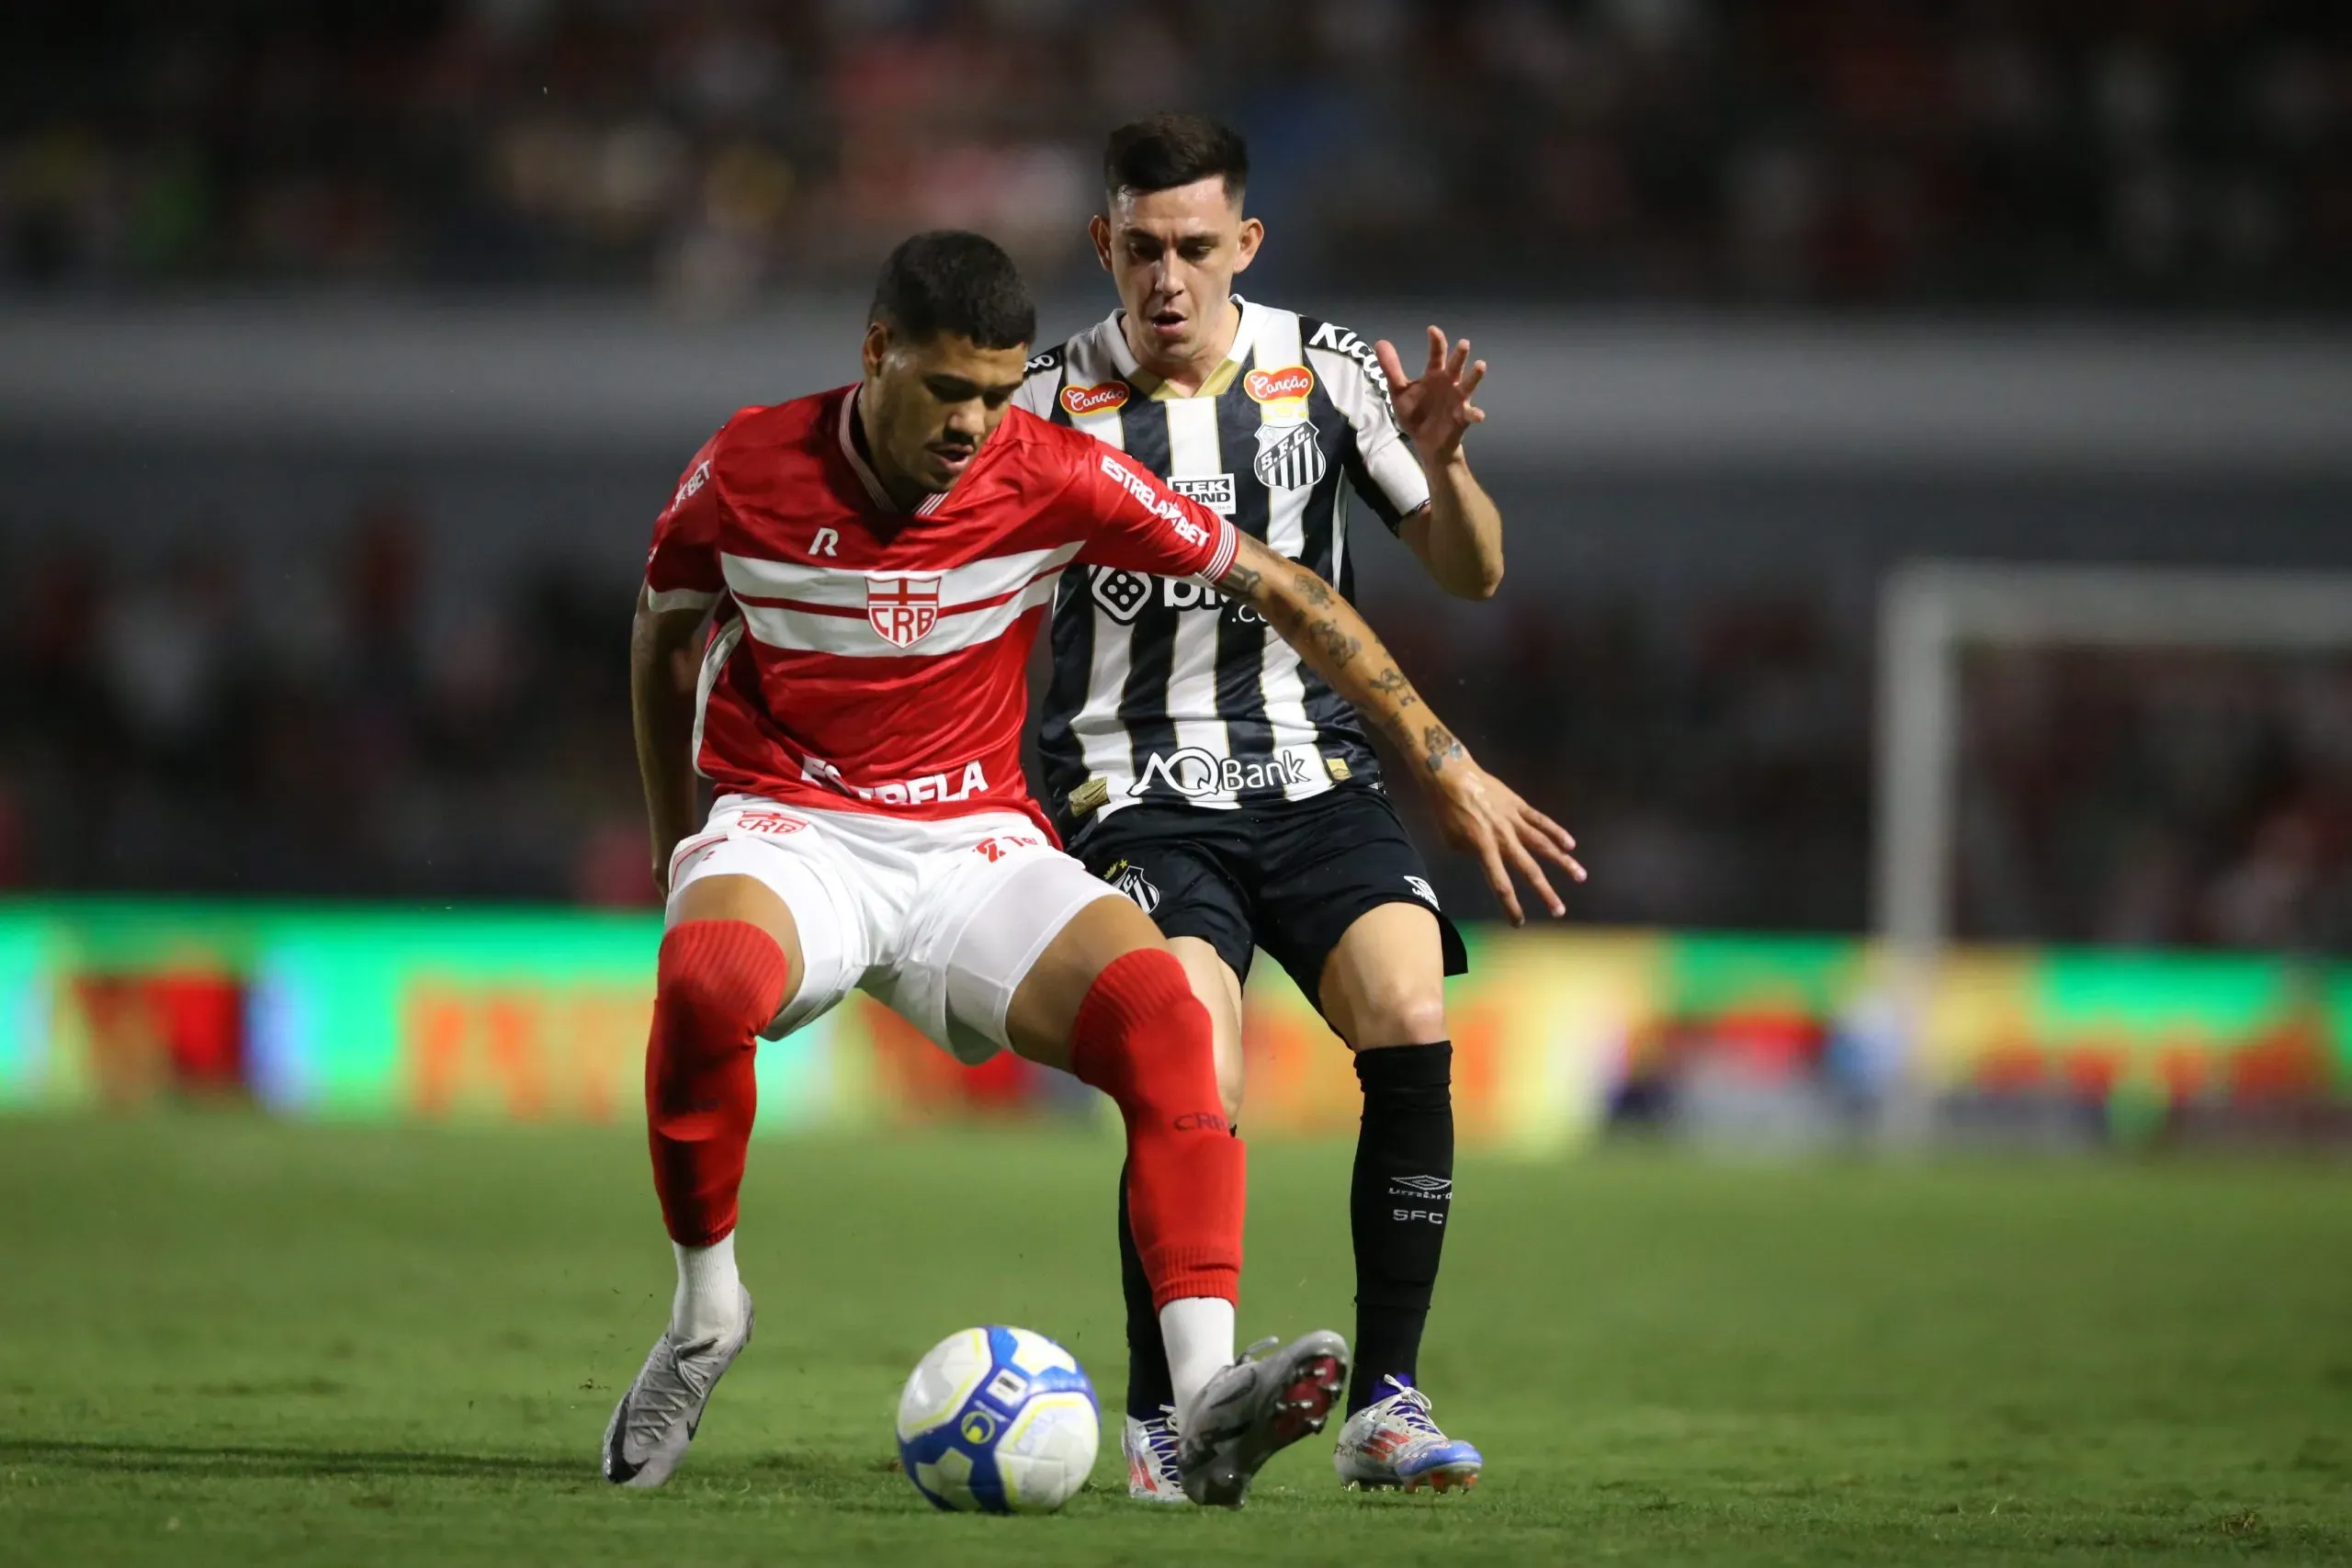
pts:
pixel 1143 1039
pixel 720 983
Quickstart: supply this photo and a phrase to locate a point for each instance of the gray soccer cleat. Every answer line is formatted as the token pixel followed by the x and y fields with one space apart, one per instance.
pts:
pixel 1262 1404
pixel 656 1418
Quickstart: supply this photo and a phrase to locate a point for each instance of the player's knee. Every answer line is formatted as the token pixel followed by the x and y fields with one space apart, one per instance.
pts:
pixel 1396 1011
pixel 1144 1038
pixel 722 980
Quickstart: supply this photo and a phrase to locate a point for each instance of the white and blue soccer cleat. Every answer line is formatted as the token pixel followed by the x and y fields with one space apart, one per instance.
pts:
pixel 1393 1442
pixel 1268 1399
pixel 1151 1460
pixel 657 1418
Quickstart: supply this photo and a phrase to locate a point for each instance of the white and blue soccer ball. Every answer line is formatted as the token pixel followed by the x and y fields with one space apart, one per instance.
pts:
pixel 997 1421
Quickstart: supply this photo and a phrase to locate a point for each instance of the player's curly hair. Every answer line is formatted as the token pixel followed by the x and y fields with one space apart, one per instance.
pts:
pixel 949 280
pixel 1171 149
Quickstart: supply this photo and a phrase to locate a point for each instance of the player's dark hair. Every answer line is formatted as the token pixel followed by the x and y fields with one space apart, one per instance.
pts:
pixel 952 281
pixel 1171 149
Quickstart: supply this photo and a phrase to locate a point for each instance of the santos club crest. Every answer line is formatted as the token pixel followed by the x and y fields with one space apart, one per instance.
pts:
pixel 1289 457
pixel 903 610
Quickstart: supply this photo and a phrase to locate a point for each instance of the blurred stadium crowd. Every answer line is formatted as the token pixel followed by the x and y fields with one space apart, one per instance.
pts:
pixel 2101 153
pixel 314 726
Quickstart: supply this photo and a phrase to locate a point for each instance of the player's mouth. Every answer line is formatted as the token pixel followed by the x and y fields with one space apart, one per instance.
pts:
pixel 952 460
pixel 1168 325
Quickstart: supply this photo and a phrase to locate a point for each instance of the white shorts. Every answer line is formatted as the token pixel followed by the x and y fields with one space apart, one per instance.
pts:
pixel 939 920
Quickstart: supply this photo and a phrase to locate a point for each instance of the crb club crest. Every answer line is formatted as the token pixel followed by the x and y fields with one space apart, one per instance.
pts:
pixel 902 609
pixel 1122 593
pixel 1289 455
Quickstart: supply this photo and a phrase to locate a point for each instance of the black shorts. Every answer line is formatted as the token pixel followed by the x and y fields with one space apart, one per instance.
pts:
pixel 1289 876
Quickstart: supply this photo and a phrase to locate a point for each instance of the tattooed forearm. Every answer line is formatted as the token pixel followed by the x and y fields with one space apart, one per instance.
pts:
pixel 1335 643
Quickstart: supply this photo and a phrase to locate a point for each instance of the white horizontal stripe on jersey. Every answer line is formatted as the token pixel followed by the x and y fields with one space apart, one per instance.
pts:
pixel 811 627
pixel 787 584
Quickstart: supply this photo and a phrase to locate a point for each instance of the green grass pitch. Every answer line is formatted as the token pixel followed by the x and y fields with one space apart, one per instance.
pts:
pixel 226 1341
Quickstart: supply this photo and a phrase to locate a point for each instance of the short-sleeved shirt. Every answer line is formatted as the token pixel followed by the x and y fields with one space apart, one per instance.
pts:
pixel 863 657
pixel 1164 690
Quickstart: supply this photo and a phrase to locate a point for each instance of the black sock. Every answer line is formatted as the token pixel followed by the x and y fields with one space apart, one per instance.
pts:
pixel 1149 1382
pixel 1402 1198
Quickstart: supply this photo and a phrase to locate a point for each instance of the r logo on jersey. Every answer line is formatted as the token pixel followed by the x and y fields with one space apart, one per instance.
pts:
pixel 903 609
pixel 1122 593
pixel 1289 456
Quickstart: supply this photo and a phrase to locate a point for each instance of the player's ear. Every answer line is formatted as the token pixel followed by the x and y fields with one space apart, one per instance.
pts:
pixel 1253 235
pixel 878 345
pixel 1098 228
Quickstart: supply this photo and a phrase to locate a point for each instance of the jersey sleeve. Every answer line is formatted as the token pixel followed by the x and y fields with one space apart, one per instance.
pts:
pixel 682 571
pixel 1125 518
pixel 1041 383
pixel 1380 465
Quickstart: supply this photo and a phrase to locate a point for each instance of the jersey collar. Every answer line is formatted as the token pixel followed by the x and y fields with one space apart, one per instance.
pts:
pixel 1131 370
pixel 866 475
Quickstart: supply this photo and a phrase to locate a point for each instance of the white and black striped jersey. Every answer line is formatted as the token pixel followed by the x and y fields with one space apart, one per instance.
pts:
pixel 1165 689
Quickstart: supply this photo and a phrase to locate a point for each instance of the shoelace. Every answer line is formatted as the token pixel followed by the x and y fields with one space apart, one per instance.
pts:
pixel 663 1400
pixel 1411 1410
pixel 1160 1437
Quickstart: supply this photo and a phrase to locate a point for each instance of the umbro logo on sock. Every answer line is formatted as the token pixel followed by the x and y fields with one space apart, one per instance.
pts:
pixel 1421 1186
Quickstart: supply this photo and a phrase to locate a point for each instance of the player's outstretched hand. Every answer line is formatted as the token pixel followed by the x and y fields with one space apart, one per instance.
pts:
pixel 1481 816
pixel 1435 409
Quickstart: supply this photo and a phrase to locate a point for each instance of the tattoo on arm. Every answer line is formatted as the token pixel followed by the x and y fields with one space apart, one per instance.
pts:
pixel 1341 648
pixel 1293 612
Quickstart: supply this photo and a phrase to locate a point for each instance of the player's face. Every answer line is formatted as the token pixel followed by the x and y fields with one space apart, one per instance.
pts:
pixel 930 406
pixel 1173 253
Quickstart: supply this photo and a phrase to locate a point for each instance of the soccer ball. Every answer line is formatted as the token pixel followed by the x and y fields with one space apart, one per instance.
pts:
pixel 997 1421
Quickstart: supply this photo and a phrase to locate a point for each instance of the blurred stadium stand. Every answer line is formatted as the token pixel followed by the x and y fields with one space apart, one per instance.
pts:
pixel 345 354
pixel 2105 153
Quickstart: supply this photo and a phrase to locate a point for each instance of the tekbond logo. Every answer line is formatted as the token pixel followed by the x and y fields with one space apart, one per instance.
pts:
pixel 1101 399
pixel 1289 383
pixel 903 610
pixel 1212 490
pixel 1194 773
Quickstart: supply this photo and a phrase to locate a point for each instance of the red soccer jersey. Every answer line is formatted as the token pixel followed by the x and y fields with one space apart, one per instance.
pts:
pixel 866 660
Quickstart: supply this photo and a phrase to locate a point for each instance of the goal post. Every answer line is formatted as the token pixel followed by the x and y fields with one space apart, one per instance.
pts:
pixel 1930 611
